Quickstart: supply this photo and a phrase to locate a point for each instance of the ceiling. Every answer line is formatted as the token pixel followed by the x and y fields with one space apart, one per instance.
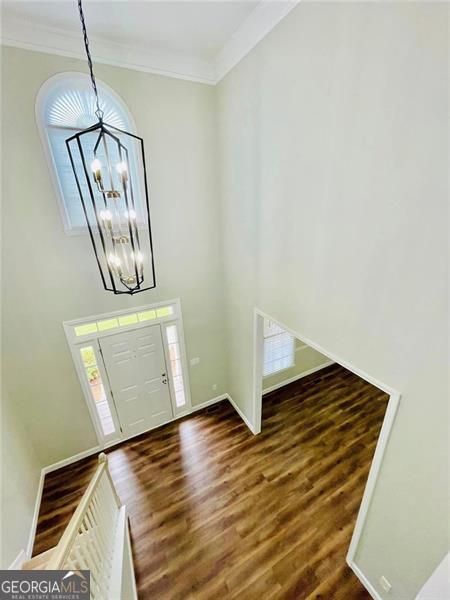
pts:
pixel 199 28
pixel 199 40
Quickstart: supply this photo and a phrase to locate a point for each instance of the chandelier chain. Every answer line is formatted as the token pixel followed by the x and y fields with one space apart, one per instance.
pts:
pixel 98 112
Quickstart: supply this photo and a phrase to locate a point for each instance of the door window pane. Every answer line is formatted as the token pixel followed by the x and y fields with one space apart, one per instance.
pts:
pixel 107 324
pixel 176 370
pixel 147 315
pixel 97 390
pixel 123 320
pixel 85 329
pixel 128 319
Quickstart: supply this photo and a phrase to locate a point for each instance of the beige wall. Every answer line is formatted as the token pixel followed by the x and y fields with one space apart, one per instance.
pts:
pixel 20 471
pixel 332 163
pixel 50 277
pixel 305 358
pixel 333 153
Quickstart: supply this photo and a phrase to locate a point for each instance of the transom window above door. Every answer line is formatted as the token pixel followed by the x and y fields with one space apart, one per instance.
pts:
pixel 123 320
pixel 132 368
pixel 65 105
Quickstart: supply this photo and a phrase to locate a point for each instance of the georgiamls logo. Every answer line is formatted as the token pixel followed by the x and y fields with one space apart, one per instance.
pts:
pixel 47 585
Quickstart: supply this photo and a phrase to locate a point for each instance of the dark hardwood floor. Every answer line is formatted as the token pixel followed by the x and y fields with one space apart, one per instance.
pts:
pixel 216 512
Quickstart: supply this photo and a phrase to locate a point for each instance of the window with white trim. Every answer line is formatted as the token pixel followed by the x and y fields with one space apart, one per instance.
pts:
pixel 65 105
pixel 97 389
pixel 279 349
pixel 124 320
pixel 176 367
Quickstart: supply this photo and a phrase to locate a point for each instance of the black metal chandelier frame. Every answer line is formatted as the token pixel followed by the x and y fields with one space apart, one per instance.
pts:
pixel 105 129
pixel 111 233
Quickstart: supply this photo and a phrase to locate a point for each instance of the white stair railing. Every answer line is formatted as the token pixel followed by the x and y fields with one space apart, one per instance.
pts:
pixel 96 537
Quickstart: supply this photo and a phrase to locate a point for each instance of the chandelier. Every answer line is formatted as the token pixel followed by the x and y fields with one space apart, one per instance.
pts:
pixel 110 173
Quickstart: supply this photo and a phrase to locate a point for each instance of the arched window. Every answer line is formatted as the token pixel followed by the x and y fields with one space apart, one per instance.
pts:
pixel 66 104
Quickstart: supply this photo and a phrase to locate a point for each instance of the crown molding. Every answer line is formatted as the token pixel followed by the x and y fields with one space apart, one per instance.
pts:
pixel 266 15
pixel 41 38
pixel 50 40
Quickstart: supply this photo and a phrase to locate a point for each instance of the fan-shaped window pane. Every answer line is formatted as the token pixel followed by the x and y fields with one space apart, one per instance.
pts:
pixel 68 106
pixel 74 107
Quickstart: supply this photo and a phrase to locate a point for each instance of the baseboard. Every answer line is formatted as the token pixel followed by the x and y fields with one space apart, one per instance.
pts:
pixel 209 402
pixel 129 550
pixel 17 563
pixel 76 457
pixel 363 579
pixel 241 414
pixel 37 506
pixel 277 386
pixel 72 459
pixel 438 583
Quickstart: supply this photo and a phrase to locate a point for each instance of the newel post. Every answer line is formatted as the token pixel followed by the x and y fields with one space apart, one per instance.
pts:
pixel 103 459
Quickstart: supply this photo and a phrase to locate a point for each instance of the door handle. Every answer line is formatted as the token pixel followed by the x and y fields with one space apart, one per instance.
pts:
pixel 164 380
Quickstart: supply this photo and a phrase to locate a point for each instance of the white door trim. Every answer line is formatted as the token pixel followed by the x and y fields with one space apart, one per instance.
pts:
pixel 115 396
pixel 383 439
pixel 87 392
pixel 187 408
pixel 175 303
pixel 75 342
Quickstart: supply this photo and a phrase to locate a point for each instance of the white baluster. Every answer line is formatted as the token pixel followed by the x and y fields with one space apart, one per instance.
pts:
pixel 88 542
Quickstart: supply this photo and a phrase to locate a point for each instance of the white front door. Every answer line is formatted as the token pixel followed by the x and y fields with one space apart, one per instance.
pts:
pixel 136 369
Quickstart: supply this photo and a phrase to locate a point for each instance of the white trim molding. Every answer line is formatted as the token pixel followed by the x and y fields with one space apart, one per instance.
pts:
pixel 62 42
pixel 17 563
pixel 37 506
pixel 438 584
pixel 383 439
pixel 260 22
pixel 281 384
pixel 375 467
pixel 242 415
pixel 72 459
pixel 29 35
pixel 75 342
pixel 26 554
pixel 210 402
pixel 363 579
pixel 46 94
pixel 221 398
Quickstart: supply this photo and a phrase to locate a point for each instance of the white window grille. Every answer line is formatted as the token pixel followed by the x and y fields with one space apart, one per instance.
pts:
pixel 65 105
pixel 279 350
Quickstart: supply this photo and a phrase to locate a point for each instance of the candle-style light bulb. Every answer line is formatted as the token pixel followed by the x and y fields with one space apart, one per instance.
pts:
pixel 130 214
pixel 106 217
pixel 123 171
pixel 96 167
pixel 115 263
pixel 139 259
